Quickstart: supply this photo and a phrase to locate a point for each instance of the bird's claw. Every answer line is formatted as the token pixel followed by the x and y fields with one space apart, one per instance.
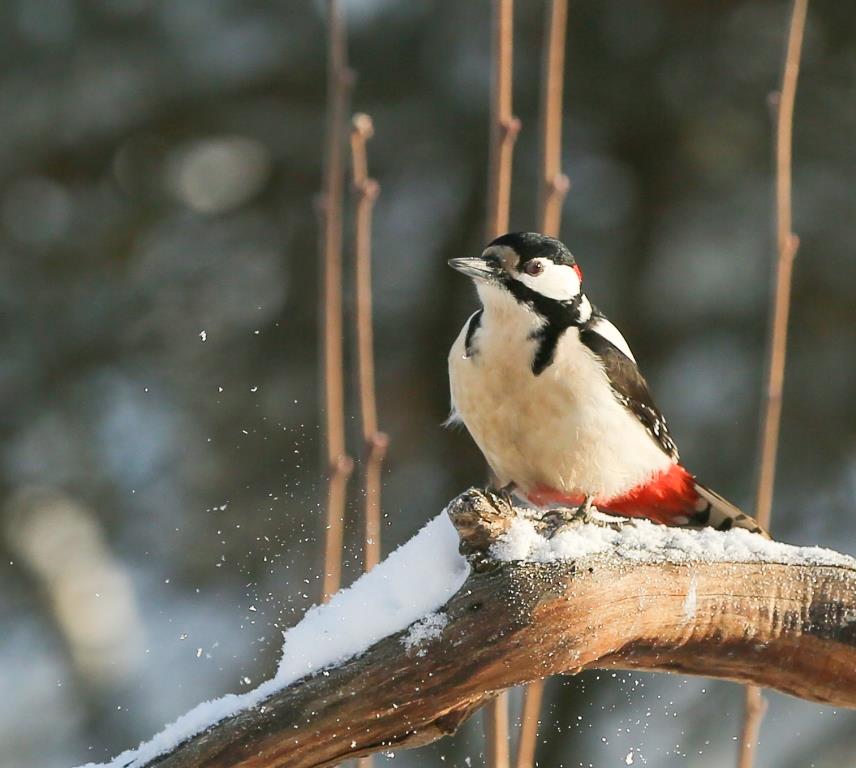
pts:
pixel 560 518
pixel 500 498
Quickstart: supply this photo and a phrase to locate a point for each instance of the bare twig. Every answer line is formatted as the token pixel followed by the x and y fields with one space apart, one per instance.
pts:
pixel 366 190
pixel 529 722
pixel 754 708
pixel 504 126
pixel 553 188
pixel 496 732
pixel 339 464
pixel 782 625
pixel 554 183
pixel 786 244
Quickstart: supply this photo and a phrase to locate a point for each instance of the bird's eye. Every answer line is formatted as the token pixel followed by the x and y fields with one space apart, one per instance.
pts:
pixel 533 268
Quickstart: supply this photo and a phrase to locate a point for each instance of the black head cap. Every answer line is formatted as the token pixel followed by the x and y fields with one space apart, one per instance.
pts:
pixel 532 245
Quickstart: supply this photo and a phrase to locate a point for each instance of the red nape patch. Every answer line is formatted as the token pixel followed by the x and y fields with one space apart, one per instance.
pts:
pixel 666 496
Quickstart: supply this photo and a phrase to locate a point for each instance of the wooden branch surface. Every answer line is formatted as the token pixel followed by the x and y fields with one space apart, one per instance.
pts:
pixel 788 627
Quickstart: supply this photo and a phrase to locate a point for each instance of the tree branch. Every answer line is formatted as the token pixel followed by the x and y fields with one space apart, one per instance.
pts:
pixel 789 626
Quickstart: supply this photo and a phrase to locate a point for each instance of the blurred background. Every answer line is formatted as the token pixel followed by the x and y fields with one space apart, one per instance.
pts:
pixel 160 457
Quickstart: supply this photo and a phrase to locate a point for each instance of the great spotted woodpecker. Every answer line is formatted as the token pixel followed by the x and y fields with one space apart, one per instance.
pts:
pixel 551 393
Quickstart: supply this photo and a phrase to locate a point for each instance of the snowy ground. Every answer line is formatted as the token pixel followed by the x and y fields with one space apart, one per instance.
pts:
pixel 420 576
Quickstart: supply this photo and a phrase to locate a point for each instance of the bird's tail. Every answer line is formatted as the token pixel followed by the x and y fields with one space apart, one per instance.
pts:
pixel 714 511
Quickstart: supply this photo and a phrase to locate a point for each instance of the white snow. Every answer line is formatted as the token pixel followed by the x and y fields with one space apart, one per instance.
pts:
pixel 643 541
pixel 428 628
pixel 416 579
pixel 407 588
pixel 412 583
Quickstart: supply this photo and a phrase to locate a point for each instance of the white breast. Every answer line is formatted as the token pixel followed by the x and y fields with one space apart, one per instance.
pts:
pixel 562 430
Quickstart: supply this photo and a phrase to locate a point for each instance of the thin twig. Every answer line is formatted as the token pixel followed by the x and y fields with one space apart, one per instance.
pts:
pixel 504 126
pixel 366 190
pixel 496 732
pixel 554 186
pixel 754 708
pixel 554 183
pixel 339 464
pixel 786 245
pixel 529 721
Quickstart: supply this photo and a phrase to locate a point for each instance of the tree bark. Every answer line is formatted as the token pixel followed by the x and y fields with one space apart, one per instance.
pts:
pixel 783 626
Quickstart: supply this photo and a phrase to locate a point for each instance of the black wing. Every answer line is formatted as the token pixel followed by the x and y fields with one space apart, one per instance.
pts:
pixel 629 387
pixel 472 326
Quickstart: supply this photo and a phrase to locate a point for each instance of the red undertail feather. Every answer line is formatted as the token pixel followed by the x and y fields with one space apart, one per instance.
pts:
pixel 669 498
pixel 672 497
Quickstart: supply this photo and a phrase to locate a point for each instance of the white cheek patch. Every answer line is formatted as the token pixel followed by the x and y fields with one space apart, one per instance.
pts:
pixel 602 327
pixel 557 281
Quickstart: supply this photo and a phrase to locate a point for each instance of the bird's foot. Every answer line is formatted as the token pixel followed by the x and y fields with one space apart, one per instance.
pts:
pixel 500 498
pixel 561 518
pixel 580 515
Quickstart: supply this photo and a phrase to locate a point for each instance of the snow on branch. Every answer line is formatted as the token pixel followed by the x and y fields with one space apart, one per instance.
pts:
pixel 428 636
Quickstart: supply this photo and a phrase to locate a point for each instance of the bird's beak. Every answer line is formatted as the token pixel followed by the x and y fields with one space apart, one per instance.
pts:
pixel 477 267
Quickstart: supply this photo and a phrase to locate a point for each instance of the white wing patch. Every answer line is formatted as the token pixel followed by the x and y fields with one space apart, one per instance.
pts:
pixel 602 327
pixel 585 310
